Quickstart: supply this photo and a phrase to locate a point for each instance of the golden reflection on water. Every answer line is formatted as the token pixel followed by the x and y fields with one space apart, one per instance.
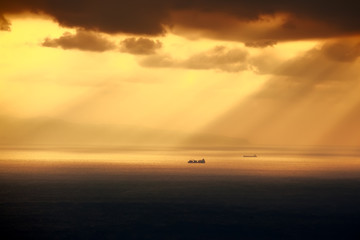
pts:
pixel 269 162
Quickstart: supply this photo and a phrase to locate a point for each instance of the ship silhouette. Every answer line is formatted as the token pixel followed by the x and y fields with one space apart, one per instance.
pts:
pixel 252 155
pixel 197 161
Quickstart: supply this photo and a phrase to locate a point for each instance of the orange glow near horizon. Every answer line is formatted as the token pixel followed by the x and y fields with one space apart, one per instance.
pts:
pixel 269 162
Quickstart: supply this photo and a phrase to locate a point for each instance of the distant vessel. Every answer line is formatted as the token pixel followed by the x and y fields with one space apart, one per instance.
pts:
pixel 197 161
pixel 253 155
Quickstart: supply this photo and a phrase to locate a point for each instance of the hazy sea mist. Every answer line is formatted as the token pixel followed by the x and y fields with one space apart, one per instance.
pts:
pixel 150 193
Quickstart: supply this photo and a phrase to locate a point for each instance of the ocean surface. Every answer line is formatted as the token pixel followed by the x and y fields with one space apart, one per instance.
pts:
pixel 86 192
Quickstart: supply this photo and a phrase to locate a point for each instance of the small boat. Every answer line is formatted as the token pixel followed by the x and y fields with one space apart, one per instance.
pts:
pixel 253 155
pixel 197 161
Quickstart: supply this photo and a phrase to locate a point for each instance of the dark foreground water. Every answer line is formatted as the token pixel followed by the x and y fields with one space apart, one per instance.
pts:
pixel 94 200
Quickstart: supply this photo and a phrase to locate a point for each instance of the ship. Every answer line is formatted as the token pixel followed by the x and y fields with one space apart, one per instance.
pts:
pixel 197 161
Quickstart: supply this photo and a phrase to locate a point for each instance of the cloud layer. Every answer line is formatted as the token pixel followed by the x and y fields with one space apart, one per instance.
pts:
pixel 82 40
pixel 219 58
pixel 228 19
pixel 93 41
pixel 307 97
pixel 140 46
pixel 261 43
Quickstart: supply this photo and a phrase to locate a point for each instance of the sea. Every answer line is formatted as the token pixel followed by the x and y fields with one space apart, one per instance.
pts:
pixel 147 192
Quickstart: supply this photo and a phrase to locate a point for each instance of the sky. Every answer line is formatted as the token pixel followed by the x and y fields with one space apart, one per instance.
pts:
pixel 198 72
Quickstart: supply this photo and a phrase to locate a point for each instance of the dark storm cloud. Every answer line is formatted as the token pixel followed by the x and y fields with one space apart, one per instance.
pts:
pixel 305 19
pixel 279 27
pixel 218 58
pixel 111 16
pixel 82 40
pixel 140 46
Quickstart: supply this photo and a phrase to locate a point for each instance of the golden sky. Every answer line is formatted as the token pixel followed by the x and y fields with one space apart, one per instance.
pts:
pixel 172 71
